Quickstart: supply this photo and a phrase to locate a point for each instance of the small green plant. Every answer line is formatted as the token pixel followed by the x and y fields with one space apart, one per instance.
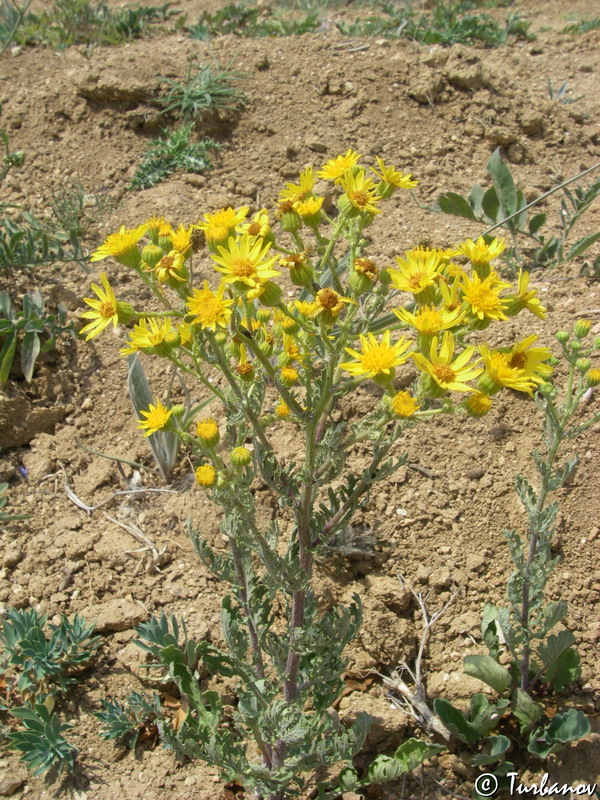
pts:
pixel 583 26
pixel 31 328
pixel 447 24
pixel 70 22
pixel 240 19
pixel 205 90
pixel 503 205
pixel 75 210
pixel 10 158
pixel 4 515
pixel 561 94
pixel 35 668
pixel 177 151
pixel 27 241
pixel 527 664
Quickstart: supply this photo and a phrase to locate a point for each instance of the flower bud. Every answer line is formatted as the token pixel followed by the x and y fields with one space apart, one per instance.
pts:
pixel 478 404
pixel 576 346
pixel 593 377
pixel 582 328
pixel 289 376
pixel 359 283
pixel 152 254
pixel 583 364
pixel 291 221
pixel 207 431
pixel 240 457
pixel 282 411
pixel 546 389
pixel 270 295
pixel 220 337
pixel 178 410
pixel 125 313
pixel 562 336
pixel 263 315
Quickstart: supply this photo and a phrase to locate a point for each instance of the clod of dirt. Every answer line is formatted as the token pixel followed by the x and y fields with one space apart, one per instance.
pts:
pixel 9 784
pixel 389 723
pixel 20 420
pixel 115 615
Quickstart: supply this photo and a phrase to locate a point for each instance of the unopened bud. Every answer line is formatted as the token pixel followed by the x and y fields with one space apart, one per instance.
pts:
pixel 562 336
pixel 240 457
pixel 582 328
pixel 583 364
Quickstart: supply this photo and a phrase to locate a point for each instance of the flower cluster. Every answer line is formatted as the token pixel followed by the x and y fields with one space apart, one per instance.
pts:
pixel 345 317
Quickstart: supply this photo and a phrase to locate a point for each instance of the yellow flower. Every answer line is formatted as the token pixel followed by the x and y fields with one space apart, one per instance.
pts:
pixel 307 308
pixel 393 177
pixel 404 405
pixel 281 410
pixel 299 191
pixel 171 268
pixel 181 239
pixel 336 167
pixel 593 377
pixel 360 191
pixel 478 404
pixel 105 309
pixel 208 308
pixel 530 360
pixel 157 417
pixel 329 303
pixel 206 475
pixel 499 373
pixel 218 227
pixel 479 253
pixel 154 224
pixel 448 374
pixel 244 260
pixel 416 274
pixel 122 246
pixel 186 334
pixel 148 333
pixel 483 296
pixel 525 298
pixel 310 209
pixel 429 320
pixel 208 432
pixel 289 376
pixel 260 225
pixel 377 359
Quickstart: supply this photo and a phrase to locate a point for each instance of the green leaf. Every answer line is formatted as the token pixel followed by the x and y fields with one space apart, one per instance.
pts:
pixel 348 780
pixel 536 222
pixel 582 245
pixel 569 727
pixel 504 183
pixel 555 645
pixel 30 349
pixel 498 745
pixel 6 357
pixel 566 669
pixel 455 204
pixel 491 205
pixel 455 721
pixel 408 756
pixel 526 710
pixel 488 670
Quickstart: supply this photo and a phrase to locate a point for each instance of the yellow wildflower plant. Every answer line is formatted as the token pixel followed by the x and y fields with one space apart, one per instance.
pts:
pixel 219 226
pixel 245 260
pixel 449 373
pixel 157 418
pixel 122 246
pixel 267 348
pixel 336 167
pixel 105 309
pixel 377 359
pixel 209 309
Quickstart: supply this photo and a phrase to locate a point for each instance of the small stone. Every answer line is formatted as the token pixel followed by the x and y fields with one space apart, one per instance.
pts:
pixel 316 145
pixel 87 404
pixel 593 534
pixel 9 784
pixel 262 63
pixel 12 556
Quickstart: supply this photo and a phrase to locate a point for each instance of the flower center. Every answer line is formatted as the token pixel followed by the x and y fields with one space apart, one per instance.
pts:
pixel 444 373
pixel 243 267
pixel 429 321
pixel 108 310
pixel 518 361
pixel 483 299
pixel 378 359
pixel 415 280
pixel 360 198
pixel 328 299
pixel 254 228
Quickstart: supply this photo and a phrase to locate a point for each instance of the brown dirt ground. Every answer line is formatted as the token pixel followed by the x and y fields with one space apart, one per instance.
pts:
pixel 89 117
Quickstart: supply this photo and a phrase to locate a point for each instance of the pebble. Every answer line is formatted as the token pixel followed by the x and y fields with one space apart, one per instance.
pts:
pixel 9 784
pixel 476 474
pixel 593 534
